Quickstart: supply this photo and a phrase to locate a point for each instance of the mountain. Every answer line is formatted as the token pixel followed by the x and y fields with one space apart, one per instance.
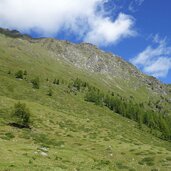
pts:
pixel 91 111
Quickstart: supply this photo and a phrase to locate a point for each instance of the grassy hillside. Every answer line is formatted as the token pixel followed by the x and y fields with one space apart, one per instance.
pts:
pixel 68 133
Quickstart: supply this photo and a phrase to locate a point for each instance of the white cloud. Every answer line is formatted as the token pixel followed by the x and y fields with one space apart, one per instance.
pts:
pixel 159 68
pixel 79 17
pixel 134 4
pixel 104 31
pixel 155 61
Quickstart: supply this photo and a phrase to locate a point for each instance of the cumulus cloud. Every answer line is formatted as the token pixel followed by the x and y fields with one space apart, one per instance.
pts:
pixel 79 17
pixel 105 31
pixel 155 61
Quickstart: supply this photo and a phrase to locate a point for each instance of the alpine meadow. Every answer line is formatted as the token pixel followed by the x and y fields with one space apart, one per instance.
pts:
pixel 66 106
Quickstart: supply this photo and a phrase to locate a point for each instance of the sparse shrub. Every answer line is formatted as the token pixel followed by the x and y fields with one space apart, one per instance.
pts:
pixel 36 83
pixel 104 162
pixel 21 115
pixel 25 72
pixel 9 135
pixel 56 81
pixel 50 92
pixel 147 160
pixel 9 72
pixel 30 162
pixel 19 74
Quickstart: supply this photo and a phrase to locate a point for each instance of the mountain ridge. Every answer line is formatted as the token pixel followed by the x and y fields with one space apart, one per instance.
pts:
pixel 96 60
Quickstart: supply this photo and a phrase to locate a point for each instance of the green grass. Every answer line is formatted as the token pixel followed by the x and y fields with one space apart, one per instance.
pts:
pixel 68 133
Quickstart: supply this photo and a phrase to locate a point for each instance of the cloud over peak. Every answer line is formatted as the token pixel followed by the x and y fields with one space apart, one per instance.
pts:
pixel 79 17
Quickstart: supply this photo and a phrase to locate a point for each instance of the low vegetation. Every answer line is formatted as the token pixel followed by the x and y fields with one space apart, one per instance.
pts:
pixel 36 83
pixel 19 74
pixel 20 115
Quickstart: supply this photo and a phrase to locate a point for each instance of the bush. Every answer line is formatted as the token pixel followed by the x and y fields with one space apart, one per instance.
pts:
pixel 36 83
pixel 21 115
pixel 56 81
pixel 25 72
pixel 50 92
pixel 19 74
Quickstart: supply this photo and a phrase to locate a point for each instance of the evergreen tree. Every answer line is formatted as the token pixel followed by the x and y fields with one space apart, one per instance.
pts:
pixel 21 114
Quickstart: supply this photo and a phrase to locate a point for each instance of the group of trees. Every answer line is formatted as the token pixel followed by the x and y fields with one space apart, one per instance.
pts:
pixel 20 74
pixel 36 81
pixel 77 85
pixel 94 95
pixel 125 107
pixel 131 110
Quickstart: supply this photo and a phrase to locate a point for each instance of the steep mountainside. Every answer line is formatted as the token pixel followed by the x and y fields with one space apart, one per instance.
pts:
pixel 85 113
pixel 111 71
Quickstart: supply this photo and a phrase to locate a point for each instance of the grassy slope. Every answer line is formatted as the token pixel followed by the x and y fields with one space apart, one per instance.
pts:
pixel 78 134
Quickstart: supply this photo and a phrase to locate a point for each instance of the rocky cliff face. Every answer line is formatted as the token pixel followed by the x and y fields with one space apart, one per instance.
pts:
pixel 89 57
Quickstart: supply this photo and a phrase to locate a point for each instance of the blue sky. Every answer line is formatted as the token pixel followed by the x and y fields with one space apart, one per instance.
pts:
pixel 137 30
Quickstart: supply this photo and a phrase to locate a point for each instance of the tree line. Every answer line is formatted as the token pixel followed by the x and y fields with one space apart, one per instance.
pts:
pixel 126 107
pixel 131 110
